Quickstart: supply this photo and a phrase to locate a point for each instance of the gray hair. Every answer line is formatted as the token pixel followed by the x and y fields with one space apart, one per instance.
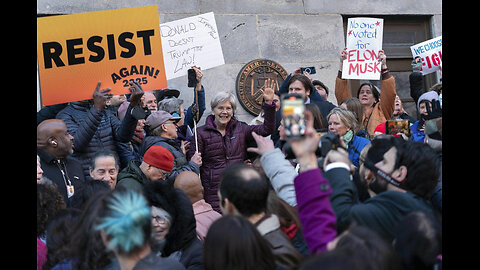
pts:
pixel 222 97
pixel 170 105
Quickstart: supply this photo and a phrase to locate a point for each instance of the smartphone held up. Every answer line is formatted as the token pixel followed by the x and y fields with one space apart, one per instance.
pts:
pixel 192 78
pixel 397 126
pixel 293 109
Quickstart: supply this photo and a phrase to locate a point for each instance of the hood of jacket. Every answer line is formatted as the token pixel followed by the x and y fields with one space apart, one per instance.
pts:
pixel 430 95
pixel 183 227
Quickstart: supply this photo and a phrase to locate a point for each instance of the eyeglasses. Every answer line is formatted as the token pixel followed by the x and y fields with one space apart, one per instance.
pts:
pixel 164 174
pixel 160 220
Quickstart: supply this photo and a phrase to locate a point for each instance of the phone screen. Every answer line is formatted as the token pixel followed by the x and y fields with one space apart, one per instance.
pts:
pixel 397 126
pixel 310 70
pixel 293 109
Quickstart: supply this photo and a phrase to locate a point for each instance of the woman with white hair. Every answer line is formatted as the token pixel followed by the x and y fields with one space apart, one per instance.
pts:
pixel 223 138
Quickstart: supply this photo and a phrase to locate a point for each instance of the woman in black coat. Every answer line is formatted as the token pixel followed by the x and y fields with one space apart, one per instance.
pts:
pixel 181 241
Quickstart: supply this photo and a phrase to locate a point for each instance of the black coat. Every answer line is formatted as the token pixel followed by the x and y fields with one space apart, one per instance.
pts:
pixel 180 163
pixel 71 167
pixel 93 130
pixel 182 235
pixel 380 213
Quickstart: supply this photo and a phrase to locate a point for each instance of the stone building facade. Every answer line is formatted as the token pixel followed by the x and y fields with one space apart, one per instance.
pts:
pixel 292 33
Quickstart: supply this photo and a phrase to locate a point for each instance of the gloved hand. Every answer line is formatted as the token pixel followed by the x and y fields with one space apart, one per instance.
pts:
pixel 435 112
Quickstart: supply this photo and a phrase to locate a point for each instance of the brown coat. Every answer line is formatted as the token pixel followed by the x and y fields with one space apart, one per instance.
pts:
pixel 382 111
pixel 283 250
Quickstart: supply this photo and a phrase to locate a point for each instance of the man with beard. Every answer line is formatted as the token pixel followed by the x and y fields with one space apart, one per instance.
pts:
pixel 402 182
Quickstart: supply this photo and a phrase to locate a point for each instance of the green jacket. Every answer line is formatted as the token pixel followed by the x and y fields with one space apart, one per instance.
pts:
pixel 132 176
pixel 380 213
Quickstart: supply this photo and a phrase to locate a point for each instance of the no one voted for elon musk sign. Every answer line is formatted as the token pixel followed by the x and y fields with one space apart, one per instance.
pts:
pixel 356 57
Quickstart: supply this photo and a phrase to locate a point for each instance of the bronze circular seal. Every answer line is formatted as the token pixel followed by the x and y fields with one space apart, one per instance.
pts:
pixel 251 79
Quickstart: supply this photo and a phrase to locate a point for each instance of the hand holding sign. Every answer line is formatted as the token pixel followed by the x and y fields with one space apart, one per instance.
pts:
pixel 430 52
pixel 382 58
pixel 364 41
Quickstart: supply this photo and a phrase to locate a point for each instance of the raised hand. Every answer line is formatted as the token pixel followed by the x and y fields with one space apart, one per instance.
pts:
pixel 100 97
pixel 137 93
pixel 268 91
pixel 382 57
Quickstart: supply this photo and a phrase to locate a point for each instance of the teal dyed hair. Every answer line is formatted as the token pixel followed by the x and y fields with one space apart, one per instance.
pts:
pixel 124 220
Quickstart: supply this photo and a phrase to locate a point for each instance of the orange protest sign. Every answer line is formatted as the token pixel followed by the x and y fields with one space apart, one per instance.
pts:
pixel 77 51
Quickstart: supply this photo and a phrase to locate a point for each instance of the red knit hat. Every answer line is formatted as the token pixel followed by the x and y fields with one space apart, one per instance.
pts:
pixel 159 157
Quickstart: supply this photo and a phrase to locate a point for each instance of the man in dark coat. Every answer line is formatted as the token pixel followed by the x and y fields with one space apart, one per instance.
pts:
pixel 244 191
pixel 54 147
pixel 157 163
pixel 303 86
pixel 94 128
pixel 404 181
pixel 162 130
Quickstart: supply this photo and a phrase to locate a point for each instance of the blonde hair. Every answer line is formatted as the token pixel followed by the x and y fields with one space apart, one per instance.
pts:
pixel 348 118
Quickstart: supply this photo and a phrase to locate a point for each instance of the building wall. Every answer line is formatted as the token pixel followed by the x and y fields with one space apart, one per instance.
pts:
pixel 291 32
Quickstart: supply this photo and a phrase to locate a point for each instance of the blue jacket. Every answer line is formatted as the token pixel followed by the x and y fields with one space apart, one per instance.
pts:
pixel 354 154
pixel 417 135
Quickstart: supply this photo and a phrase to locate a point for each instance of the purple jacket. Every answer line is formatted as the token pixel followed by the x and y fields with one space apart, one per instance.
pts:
pixel 314 209
pixel 218 152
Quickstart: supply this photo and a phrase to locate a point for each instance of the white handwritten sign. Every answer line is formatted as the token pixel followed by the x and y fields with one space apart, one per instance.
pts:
pixel 364 40
pixel 431 53
pixel 192 41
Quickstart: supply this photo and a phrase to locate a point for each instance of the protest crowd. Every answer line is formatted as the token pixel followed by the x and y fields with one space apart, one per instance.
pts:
pixel 131 182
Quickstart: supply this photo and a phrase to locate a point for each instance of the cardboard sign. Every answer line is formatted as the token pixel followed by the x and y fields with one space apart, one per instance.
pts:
pixel 364 40
pixel 431 53
pixel 188 42
pixel 77 51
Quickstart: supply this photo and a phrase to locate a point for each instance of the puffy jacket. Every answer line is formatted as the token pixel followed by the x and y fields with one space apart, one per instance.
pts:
pixel 93 130
pixel 220 151
pixel 315 210
pixel 358 144
pixel 180 163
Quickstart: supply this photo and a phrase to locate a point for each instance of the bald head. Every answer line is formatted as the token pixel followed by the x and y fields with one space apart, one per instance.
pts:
pixel 189 182
pixel 53 138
